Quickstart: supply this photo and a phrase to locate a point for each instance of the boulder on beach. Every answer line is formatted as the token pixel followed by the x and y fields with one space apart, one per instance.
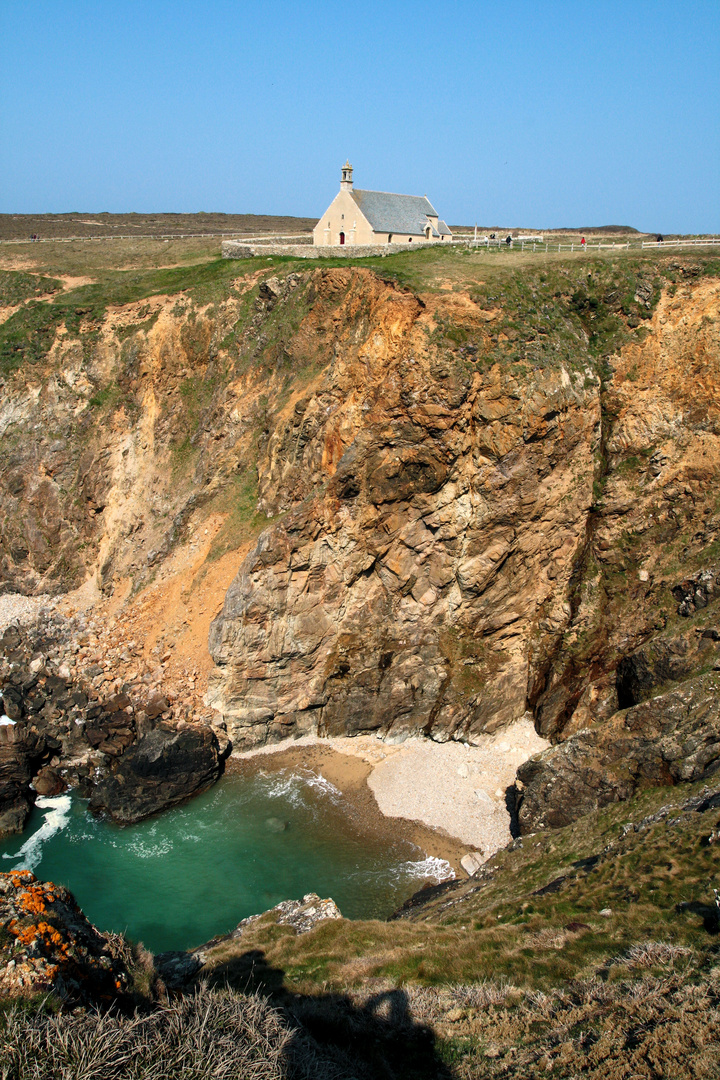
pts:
pixel 471 862
pixel 166 767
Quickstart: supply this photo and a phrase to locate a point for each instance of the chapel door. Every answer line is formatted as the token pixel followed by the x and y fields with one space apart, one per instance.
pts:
pixel 342 237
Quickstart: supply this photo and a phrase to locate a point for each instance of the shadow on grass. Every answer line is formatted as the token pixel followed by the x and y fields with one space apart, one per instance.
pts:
pixel 709 913
pixel 336 1037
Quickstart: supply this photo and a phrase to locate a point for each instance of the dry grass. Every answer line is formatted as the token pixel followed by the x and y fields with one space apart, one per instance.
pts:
pixel 206 1034
pixel 657 1027
pixel 652 954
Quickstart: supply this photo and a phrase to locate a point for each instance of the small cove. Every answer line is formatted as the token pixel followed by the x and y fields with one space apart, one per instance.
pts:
pixel 178 879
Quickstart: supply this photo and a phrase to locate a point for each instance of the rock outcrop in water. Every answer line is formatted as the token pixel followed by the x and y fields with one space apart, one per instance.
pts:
pixel 166 767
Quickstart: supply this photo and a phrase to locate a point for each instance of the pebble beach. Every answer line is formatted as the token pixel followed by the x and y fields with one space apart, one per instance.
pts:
pixel 453 789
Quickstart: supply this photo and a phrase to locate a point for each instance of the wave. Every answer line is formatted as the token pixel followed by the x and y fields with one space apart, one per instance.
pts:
pixel 143 849
pixel 58 807
pixel 319 783
pixel 429 868
pixel 293 786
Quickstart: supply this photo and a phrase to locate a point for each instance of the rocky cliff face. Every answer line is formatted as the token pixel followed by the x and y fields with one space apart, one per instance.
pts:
pixel 491 537
pixel 97 436
pixel 644 615
pixel 409 594
pixel 479 497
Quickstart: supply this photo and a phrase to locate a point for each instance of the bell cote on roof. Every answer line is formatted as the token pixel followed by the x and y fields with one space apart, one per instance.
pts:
pixel 346 181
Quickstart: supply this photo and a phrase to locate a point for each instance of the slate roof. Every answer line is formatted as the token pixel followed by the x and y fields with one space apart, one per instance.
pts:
pixel 396 213
pixel 442 228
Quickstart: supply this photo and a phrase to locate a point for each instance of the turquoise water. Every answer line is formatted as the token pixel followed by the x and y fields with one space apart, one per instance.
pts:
pixel 176 880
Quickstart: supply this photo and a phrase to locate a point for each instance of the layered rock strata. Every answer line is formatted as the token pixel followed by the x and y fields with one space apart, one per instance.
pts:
pixel 414 593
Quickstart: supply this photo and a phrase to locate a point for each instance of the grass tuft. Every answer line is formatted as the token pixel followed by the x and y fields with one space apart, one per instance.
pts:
pixel 211 1033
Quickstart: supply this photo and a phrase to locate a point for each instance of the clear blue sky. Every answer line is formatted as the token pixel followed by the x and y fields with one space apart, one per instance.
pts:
pixel 514 112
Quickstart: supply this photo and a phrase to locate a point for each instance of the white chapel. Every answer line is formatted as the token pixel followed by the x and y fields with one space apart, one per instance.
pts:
pixel 377 217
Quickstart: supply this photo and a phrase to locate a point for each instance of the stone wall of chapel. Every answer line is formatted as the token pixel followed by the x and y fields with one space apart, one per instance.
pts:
pixel 343 215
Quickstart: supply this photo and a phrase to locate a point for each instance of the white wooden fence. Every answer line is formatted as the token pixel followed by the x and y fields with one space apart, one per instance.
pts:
pixel 539 244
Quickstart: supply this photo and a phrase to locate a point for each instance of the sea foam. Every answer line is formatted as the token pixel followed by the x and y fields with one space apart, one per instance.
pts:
pixel 429 868
pixel 58 807
pixel 293 786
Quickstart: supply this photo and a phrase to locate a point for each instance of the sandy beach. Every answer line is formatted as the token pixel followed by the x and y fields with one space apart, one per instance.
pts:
pixel 448 798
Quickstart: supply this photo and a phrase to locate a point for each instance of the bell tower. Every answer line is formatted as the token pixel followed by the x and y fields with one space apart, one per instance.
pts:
pixel 346 182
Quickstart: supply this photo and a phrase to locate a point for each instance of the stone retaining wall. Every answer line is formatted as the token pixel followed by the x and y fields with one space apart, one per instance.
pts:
pixel 232 249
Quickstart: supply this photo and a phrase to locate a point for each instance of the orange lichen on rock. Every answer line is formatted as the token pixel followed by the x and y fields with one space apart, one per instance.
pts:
pixel 36 897
pixel 19 877
pixel 50 945
pixel 43 933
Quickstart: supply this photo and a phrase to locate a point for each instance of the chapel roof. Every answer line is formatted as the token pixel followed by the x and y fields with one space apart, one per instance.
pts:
pixel 395 213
